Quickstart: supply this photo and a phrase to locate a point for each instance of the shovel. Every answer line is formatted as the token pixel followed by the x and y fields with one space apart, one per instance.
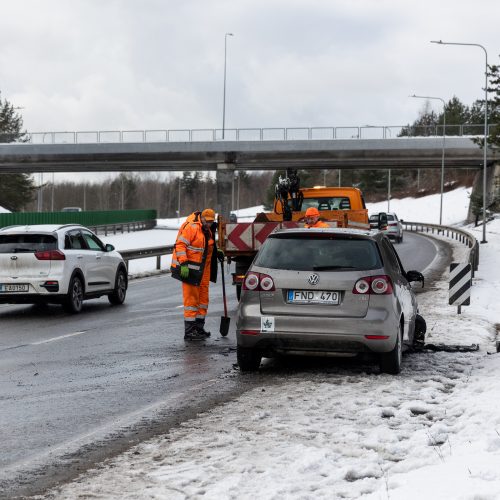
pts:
pixel 224 320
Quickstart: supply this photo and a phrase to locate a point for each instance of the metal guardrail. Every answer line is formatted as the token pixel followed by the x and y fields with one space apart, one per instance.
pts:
pixel 123 226
pixel 246 134
pixel 450 232
pixel 142 253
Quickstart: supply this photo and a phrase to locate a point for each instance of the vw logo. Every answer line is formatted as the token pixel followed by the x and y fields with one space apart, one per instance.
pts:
pixel 13 257
pixel 313 279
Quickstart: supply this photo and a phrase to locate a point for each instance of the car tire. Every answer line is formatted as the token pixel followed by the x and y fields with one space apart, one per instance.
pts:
pixel 420 330
pixel 117 297
pixel 390 362
pixel 74 299
pixel 248 359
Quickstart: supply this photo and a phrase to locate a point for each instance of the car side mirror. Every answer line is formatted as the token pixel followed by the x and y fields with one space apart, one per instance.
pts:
pixel 109 247
pixel 415 276
pixel 382 220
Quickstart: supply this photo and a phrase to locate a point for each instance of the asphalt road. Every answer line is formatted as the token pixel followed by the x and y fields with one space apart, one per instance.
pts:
pixel 77 389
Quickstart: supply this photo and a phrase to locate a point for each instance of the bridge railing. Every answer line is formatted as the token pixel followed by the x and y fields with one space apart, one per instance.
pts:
pixel 247 134
pixel 454 233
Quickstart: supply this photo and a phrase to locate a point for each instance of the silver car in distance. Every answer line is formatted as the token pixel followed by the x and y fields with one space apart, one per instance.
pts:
pixel 327 292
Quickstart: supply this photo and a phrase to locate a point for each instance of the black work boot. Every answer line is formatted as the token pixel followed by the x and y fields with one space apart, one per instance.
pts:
pixel 200 325
pixel 191 331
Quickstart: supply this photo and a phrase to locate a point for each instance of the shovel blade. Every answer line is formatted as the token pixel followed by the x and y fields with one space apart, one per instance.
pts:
pixel 224 325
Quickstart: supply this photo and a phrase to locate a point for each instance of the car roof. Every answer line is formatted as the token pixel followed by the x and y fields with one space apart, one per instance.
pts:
pixel 37 228
pixel 337 231
pixel 376 213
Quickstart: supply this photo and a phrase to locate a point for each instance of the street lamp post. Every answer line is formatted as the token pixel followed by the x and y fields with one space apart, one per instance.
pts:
pixel 389 190
pixel 485 146
pixel 442 153
pixel 224 94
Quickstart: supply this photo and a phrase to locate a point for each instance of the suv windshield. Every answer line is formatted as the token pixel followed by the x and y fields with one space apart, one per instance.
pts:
pixel 17 243
pixel 300 252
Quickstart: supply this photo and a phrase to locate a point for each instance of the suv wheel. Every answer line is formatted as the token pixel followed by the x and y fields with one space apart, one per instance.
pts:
pixel 117 297
pixel 248 359
pixel 390 362
pixel 74 300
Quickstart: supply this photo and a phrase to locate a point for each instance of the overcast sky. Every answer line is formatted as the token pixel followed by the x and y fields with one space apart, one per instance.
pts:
pixel 159 64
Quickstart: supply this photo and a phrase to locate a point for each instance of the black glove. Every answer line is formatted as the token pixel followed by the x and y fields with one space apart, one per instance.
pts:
pixel 220 255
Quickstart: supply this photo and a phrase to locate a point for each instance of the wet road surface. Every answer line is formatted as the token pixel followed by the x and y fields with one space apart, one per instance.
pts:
pixel 77 389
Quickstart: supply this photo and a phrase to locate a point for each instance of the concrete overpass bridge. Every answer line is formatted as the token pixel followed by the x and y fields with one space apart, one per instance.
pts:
pixel 413 152
pixel 225 157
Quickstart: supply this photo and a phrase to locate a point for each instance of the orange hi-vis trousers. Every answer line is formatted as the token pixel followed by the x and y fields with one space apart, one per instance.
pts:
pixel 196 297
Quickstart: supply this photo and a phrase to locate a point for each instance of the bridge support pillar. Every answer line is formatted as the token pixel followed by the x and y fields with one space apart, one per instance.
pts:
pixel 224 178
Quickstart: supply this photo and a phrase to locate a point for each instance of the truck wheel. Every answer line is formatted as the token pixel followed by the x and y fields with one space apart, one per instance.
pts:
pixel 248 359
pixel 390 362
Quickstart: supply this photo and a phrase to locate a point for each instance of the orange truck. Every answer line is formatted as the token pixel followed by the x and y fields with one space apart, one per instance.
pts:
pixel 338 206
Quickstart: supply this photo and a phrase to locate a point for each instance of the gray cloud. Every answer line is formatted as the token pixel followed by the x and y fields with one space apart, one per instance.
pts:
pixel 96 65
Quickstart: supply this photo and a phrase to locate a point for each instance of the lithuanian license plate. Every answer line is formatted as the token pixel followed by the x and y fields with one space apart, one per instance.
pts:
pixel 313 297
pixel 18 287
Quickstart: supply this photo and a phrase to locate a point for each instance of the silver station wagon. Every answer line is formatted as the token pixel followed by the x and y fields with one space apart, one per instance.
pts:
pixel 327 292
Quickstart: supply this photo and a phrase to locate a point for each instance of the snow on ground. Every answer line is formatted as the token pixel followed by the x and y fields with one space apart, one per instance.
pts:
pixel 334 430
pixel 455 207
pixel 4 210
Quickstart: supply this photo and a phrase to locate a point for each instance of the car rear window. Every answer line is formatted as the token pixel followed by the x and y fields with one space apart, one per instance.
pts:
pixel 303 253
pixel 327 203
pixel 17 243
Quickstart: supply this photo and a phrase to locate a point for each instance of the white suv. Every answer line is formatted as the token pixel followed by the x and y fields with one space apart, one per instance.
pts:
pixel 63 264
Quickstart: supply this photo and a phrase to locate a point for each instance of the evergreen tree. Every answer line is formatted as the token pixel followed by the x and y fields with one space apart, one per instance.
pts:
pixel 494 106
pixel 16 190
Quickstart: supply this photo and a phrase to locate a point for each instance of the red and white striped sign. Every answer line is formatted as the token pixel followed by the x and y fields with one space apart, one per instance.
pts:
pixel 249 236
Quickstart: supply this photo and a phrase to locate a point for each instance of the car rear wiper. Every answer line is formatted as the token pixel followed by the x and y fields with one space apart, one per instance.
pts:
pixel 331 268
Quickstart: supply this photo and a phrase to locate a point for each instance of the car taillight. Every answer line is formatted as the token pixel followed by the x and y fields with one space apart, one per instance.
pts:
pixel 373 285
pixel 50 255
pixel 258 282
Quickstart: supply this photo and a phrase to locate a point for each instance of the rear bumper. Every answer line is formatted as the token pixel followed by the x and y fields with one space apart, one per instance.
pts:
pixel 40 290
pixel 318 335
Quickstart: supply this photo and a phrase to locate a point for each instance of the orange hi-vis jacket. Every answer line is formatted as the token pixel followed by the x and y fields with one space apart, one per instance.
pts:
pixel 318 223
pixel 192 247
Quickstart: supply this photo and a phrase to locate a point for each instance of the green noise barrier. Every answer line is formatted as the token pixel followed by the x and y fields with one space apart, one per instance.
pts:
pixel 89 219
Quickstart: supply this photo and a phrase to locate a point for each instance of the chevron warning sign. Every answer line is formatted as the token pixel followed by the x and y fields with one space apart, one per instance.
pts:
pixel 239 236
pixel 460 284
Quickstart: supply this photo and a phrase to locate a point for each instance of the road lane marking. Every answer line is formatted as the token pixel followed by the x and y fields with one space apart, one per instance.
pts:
pixel 40 342
pixel 53 339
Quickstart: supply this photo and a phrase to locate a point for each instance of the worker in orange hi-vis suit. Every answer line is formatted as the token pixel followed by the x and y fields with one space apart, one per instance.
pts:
pixel 194 262
pixel 312 218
